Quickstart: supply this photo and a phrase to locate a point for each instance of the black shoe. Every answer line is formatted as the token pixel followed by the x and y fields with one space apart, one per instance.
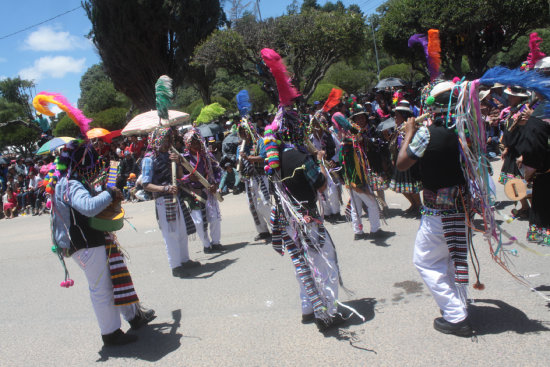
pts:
pixel 263 236
pixel 330 218
pixel 143 317
pixel 381 234
pixel 208 250
pixel 360 236
pixel 308 318
pixel 190 264
pixel 334 321
pixel 179 272
pixel 461 328
pixel 118 338
pixel 217 247
pixel 339 218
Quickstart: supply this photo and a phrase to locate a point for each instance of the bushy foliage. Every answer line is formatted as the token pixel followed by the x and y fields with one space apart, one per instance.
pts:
pixel 321 93
pixel 66 127
pixel 111 119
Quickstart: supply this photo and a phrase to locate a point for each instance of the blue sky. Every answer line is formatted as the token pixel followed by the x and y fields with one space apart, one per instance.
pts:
pixel 56 53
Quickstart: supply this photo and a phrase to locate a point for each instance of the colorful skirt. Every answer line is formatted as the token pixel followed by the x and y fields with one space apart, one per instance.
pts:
pixel 406 182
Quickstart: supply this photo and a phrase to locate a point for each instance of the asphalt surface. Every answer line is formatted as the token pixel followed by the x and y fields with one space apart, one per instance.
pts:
pixel 242 307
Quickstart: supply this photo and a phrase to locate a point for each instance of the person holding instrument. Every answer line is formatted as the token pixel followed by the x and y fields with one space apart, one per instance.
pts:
pixel 173 216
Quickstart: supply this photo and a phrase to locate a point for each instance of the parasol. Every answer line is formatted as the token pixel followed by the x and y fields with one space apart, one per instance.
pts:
pixel 389 82
pixel 49 146
pixel 148 121
pixel 97 133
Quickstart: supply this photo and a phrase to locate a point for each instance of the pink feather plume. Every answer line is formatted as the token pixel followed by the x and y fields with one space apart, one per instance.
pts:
pixel 536 54
pixel 287 92
pixel 74 113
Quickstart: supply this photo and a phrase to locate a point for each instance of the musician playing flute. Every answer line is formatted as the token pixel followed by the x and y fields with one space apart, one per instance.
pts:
pixel 173 216
pixel 205 210
pixel 255 181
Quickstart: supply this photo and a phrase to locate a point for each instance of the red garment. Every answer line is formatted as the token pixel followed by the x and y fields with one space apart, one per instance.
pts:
pixel 137 148
pixel 10 203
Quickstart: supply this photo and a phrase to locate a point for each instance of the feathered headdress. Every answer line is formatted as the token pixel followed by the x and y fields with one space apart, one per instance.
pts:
pixel 243 102
pixel 527 79
pixel 43 99
pixel 287 93
pixel 163 95
pixel 432 50
pixel 210 113
pixel 333 99
pixel 535 53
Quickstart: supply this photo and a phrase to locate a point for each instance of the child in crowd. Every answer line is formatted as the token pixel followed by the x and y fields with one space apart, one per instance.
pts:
pixel 130 186
pixel 10 203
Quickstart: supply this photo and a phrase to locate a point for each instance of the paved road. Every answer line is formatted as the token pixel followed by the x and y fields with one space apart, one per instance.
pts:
pixel 242 308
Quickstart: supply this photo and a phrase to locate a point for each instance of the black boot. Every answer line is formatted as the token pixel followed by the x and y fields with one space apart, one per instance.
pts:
pixel 461 328
pixel 118 338
pixel 142 318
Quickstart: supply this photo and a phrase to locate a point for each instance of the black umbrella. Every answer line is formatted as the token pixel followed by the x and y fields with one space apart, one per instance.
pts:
pixel 211 129
pixel 229 146
pixel 386 124
pixel 389 82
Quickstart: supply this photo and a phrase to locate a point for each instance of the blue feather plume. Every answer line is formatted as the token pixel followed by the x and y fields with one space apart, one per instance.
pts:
pixel 531 80
pixel 243 102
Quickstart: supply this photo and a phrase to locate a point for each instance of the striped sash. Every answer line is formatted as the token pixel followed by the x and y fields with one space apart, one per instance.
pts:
pixel 454 231
pixel 123 288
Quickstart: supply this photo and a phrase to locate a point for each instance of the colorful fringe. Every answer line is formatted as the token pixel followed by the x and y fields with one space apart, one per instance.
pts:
pixel 405 187
pixel 538 234
pixel 504 177
pixel 123 287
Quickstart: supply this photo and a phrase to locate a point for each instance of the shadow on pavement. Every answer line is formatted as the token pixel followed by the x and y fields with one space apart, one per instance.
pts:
pixel 155 342
pixel 229 248
pixel 498 317
pixel 207 270
pixel 365 307
pixel 382 241
pixel 503 204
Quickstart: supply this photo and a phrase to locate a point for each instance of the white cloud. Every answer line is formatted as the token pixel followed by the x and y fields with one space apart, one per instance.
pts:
pixel 3 59
pixel 48 38
pixel 53 67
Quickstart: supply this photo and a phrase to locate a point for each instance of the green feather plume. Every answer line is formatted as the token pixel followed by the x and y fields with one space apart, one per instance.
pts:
pixel 164 95
pixel 210 113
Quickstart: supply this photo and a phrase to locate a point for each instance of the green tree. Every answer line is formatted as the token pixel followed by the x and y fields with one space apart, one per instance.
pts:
pixel 113 118
pixel 476 29
pixel 518 52
pixel 15 133
pixel 402 71
pixel 66 126
pixel 20 91
pixel 310 42
pixel 140 40
pixel 97 92
pixel 259 99
pixel 321 92
pixel 349 78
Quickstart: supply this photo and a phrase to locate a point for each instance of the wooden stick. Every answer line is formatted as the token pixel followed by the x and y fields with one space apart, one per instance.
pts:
pixel 203 181
pixel 240 157
pixel 174 179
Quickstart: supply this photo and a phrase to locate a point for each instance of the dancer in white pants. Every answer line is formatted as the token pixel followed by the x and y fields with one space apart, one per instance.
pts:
pixel 357 201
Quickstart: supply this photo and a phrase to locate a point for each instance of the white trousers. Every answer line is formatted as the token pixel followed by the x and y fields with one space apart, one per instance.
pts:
pixel 433 261
pixel 357 200
pixel 214 224
pixel 329 199
pixel 96 268
pixel 174 235
pixel 326 273
pixel 261 203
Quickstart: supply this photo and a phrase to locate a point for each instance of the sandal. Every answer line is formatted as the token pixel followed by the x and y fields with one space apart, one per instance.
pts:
pixel 520 213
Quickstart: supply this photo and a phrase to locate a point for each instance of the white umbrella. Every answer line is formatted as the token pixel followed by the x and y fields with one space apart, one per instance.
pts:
pixel 148 121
